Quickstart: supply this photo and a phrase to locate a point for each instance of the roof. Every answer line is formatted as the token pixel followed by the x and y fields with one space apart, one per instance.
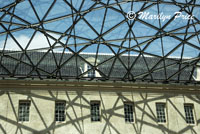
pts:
pixel 110 67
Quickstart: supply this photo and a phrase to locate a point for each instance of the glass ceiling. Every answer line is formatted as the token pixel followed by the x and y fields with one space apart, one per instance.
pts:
pixel 164 30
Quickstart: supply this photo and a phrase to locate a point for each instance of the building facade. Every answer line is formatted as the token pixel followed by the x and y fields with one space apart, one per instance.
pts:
pixel 80 107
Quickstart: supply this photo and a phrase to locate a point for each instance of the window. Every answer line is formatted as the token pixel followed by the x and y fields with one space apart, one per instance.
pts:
pixel 95 110
pixel 24 106
pixel 91 73
pixel 189 113
pixel 128 112
pixel 160 109
pixel 60 110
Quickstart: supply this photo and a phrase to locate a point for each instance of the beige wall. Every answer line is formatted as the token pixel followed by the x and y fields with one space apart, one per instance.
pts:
pixel 112 112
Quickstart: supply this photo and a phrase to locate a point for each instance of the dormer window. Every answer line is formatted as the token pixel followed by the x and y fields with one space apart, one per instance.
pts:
pixel 91 72
pixel 198 72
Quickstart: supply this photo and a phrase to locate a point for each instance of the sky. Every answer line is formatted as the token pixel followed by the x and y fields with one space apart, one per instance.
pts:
pixel 95 19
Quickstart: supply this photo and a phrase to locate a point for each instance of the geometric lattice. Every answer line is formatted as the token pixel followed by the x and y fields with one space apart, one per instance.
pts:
pixel 53 39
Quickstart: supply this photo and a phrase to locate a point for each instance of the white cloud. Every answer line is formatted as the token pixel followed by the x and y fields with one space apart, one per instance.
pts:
pixel 39 41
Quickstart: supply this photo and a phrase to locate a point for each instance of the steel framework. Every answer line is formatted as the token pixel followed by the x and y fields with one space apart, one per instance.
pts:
pixel 99 26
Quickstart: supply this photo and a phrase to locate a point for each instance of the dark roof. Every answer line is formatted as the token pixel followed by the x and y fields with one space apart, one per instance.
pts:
pixel 109 67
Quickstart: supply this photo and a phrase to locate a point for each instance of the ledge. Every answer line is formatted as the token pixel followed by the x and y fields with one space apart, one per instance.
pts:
pixel 95 85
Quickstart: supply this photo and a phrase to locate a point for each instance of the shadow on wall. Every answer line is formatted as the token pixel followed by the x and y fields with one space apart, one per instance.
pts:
pixel 78 118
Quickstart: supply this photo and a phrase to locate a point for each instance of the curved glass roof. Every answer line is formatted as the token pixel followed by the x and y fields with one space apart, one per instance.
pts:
pixel 154 37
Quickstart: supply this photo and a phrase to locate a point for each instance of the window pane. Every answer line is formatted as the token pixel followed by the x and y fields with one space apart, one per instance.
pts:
pixel 24 110
pixel 160 109
pixel 189 113
pixel 95 111
pixel 91 73
pixel 60 110
pixel 128 112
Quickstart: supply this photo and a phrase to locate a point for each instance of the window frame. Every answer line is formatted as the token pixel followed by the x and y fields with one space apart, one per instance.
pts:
pixel 91 73
pixel 133 112
pixel 165 112
pixel 20 118
pixel 193 112
pixel 99 115
pixel 59 116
